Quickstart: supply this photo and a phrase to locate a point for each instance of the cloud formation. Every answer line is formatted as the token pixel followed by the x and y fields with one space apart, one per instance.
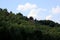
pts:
pixel 48 17
pixel 26 6
pixel 34 9
pixel 34 12
pixel 56 10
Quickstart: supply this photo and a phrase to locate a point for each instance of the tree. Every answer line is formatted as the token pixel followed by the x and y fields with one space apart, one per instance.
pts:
pixel 31 18
pixel 19 14
pixel 0 9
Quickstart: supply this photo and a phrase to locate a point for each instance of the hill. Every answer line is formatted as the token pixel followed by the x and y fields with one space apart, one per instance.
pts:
pixel 18 27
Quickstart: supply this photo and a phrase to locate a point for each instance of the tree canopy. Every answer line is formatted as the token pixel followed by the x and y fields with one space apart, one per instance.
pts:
pixel 15 26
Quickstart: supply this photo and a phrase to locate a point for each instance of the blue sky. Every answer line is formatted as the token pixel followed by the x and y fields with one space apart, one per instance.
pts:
pixel 39 9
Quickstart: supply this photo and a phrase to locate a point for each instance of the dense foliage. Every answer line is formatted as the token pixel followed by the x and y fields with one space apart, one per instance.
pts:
pixel 19 27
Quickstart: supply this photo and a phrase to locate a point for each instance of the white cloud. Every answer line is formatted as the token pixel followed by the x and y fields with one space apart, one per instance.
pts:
pixel 34 12
pixel 26 6
pixel 56 10
pixel 33 9
pixel 48 17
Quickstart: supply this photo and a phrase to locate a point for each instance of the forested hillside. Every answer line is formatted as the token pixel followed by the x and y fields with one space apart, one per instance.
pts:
pixel 15 26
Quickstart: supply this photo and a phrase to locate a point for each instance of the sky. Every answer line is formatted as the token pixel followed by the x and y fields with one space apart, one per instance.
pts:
pixel 38 9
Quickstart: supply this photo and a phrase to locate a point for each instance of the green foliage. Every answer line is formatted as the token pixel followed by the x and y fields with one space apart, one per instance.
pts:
pixel 19 27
